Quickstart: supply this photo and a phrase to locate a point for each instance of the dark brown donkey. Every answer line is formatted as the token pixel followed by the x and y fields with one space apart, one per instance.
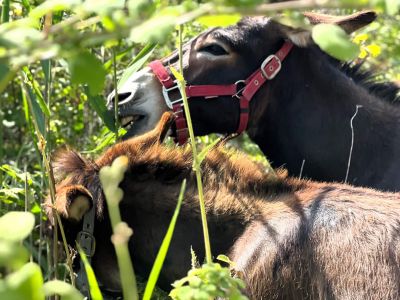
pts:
pixel 290 238
pixel 303 114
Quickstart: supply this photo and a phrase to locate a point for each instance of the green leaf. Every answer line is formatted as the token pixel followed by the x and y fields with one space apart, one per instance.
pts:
pixel 106 140
pixel 202 155
pixel 34 88
pixel 93 285
pixel 12 255
pixel 219 20
pixel 65 290
pixel 52 6
pixel 85 68
pixel 333 40
pixel 225 259
pixel 36 110
pixel 98 104
pixel 16 225
pixel 392 6
pixel 26 283
pixel 46 66
pixel 108 64
pixel 4 70
pixel 155 30
pixel 177 74
pixel 162 253
pixel 137 63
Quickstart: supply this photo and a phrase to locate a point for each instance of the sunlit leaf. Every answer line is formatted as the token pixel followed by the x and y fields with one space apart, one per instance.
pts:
pixel 242 2
pixel 20 36
pixel 202 155
pixel 24 284
pixel 219 20
pixel 98 104
pixel 46 66
pixel 65 290
pixel 36 110
pixel 12 255
pixel 85 68
pixel 93 285
pixel 52 6
pixel 102 7
pixel 177 74
pixel 106 140
pixel 155 30
pixel 162 253
pixel 139 60
pixel 34 88
pixel 333 40
pixel 16 225
pixel 392 6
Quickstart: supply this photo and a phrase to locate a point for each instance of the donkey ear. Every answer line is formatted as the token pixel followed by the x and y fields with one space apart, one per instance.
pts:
pixel 298 36
pixel 158 134
pixel 73 201
pixel 348 23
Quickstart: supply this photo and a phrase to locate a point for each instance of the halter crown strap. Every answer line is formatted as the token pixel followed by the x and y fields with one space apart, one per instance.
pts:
pixel 249 87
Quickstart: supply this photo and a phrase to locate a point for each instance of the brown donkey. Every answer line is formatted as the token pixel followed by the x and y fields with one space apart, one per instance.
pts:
pixel 290 238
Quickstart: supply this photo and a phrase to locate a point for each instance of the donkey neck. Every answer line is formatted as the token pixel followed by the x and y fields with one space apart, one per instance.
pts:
pixel 310 105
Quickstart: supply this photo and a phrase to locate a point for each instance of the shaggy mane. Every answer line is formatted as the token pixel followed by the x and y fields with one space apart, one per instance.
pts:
pixel 373 82
pixel 220 167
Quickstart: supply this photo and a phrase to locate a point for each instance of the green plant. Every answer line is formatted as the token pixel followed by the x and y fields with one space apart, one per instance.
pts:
pixel 208 282
pixel 57 58
pixel 24 280
pixel 110 178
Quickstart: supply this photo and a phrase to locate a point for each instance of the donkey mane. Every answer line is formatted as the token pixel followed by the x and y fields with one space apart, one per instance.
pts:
pixel 373 82
pixel 221 168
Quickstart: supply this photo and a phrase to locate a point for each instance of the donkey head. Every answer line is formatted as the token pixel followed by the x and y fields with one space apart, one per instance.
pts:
pixel 151 186
pixel 215 57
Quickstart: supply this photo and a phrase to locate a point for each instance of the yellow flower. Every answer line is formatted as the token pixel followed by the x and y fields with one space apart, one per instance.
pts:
pixel 359 38
pixel 363 53
pixel 373 49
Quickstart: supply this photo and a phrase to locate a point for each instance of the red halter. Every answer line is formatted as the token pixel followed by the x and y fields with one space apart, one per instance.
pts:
pixel 244 90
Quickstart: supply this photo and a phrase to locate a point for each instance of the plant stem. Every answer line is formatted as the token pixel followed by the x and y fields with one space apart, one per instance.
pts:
pixel 49 171
pixel 116 93
pixel 121 231
pixel 196 161
pixel 5 11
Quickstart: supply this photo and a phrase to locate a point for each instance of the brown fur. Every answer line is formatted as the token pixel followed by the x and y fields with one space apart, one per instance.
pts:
pixel 290 239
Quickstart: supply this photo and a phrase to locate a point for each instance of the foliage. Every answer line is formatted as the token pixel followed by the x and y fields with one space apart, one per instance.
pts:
pixel 208 282
pixel 24 280
pixel 334 41
pixel 58 60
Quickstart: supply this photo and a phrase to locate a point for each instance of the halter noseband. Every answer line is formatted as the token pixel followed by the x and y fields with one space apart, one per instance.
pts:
pixel 244 90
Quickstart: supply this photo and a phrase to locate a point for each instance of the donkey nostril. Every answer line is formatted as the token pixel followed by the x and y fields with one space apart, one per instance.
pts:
pixel 123 97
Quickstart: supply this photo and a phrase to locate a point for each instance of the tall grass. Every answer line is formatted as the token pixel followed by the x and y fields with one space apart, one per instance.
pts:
pixel 196 157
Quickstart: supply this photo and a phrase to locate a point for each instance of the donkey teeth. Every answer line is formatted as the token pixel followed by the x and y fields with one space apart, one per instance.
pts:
pixel 127 122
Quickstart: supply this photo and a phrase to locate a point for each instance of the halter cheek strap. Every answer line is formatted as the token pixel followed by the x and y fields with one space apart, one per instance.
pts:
pixel 244 90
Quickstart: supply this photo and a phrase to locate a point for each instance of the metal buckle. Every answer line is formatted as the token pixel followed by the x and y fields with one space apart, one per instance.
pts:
pixel 239 91
pixel 90 248
pixel 167 99
pixel 266 61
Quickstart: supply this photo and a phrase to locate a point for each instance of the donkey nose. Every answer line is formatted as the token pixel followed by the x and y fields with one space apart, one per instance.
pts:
pixel 123 97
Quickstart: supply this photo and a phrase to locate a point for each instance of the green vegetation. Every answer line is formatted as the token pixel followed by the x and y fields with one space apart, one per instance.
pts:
pixel 58 60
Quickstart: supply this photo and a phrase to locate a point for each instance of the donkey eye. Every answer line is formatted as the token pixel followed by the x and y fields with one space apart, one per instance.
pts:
pixel 214 49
